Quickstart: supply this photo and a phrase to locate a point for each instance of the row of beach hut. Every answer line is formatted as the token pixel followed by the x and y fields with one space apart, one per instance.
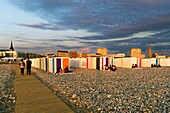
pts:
pixel 51 64
pixel 54 64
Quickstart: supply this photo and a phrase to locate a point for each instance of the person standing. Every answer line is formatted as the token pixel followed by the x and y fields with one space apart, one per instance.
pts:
pixel 28 66
pixel 22 66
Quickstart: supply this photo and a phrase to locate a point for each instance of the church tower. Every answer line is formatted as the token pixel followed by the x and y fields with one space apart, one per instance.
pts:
pixel 11 48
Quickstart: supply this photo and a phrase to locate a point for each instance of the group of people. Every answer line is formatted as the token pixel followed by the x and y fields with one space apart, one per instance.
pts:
pixel 22 66
pixel 111 67
pixel 59 70
pixel 134 65
pixel 154 65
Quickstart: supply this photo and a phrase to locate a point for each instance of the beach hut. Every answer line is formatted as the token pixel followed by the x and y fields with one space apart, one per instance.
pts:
pixel 50 65
pixel 83 62
pixel 164 62
pixel 94 62
pixel 105 61
pixel 66 63
pixel 72 63
pixel 127 62
pixel 47 64
pixel 53 65
pixel 42 63
pixel 100 62
pixel 157 62
pixel 111 61
pixel 89 63
pixel 33 62
pixel 76 62
pixel 98 59
pixel 118 62
pixel 58 64
pixel 139 62
pixel 38 63
pixel 61 63
pixel 148 62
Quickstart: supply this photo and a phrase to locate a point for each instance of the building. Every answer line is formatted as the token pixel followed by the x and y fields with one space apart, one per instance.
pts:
pixel 155 55
pixel 3 53
pixel 93 55
pixel 101 51
pixel 73 54
pixel 162 56
pixel 11 47
pixel 63 54
pixel 136 52
pixel 49 54
pixel 12 55
pixel 149 51
pixel 118 55
pixel 80 55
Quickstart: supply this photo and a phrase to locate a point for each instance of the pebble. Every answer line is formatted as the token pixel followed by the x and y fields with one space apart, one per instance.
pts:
pixel 108 96
pixel 73 96
pixel 125 90
pixel 7 94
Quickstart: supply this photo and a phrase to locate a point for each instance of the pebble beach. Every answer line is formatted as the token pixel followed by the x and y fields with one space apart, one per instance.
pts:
pixel 125 90
pixel 7 93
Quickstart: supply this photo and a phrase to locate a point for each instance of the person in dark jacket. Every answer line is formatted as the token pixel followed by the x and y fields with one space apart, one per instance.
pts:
pixel 28 62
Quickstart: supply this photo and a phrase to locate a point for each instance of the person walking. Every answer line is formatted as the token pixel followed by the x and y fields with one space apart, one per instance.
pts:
pixel 28 66
pixel 22 66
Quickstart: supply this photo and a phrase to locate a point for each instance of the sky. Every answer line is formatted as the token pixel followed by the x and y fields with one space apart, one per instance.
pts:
pixel 39 26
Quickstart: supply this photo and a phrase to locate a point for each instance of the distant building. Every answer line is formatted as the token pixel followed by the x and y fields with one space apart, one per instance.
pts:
pixel 149 51
pixel 136 52
pixel 162 56
pixel 80 55
pixel 11 47
pixel 155 55
pixel 15 55
pixel 63 54
pixel 93 55
pixel 73 54
pixel 118 55
pixel 49 54
pixel 101 51
pixel 3 53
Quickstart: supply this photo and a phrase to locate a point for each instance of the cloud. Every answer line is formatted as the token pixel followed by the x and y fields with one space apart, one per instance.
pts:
pixel 161 44
pixel 133 36
pixel 106 17
pixel 97 23
pixel 43 26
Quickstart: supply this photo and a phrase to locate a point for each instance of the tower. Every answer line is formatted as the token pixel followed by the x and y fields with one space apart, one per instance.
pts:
pixel 11 48
pixel 149 51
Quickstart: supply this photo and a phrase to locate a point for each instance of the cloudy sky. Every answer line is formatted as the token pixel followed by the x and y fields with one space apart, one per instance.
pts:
pixel 84 25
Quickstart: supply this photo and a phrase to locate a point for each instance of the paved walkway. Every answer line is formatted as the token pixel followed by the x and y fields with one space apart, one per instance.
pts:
pixel 34 97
